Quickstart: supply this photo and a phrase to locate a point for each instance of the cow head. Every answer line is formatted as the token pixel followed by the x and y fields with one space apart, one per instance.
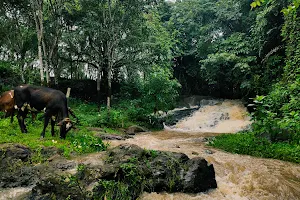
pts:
pixel 67 123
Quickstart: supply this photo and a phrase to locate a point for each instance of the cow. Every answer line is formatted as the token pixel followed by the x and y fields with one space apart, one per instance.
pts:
pixel 7 104
pixel 52 102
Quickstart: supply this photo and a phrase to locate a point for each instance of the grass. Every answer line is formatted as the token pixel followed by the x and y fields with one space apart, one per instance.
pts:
pixel 249 144
pixel 77 141
pixel 82 140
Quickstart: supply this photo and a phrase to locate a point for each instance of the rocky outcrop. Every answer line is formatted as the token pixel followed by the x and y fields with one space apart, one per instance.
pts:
pixel 164 171
pixel 123 172
pixel 18 170
pixel 14 170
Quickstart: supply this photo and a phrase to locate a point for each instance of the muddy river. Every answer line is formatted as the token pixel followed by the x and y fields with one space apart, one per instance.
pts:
pixel 239 177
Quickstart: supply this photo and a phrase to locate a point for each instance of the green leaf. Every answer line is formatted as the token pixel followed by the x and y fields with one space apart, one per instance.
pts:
pixel 253 4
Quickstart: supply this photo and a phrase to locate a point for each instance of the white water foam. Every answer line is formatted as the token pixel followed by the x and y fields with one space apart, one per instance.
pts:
pixel 228 116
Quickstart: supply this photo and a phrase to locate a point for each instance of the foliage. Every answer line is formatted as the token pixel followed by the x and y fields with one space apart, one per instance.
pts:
pixel 86 112
pixel 114 118
pixel 8 76
pixel 249 144
pixel 160 90
pixel 160 41
pixel 112 190
pixel 256 3
pixel 278 113
pixel 129 184
pixel 227 70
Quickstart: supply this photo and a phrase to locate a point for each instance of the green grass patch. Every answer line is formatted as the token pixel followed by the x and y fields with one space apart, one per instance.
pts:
pixel 77 141
pixel 247 143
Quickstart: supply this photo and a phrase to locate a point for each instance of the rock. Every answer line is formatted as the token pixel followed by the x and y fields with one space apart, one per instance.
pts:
pixel 132 130
pixel 199 177
pixel 57 187
pixel 126 170
pixel 112 136
pixel 163 171
pixel 208 151
pixel 14 151
pixel 48 152
pixel 14 169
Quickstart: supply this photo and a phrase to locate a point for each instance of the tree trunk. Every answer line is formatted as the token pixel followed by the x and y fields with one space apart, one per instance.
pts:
pixel 37 10
pixel 98 86
pixel 46 63
pixel 109 57
pixel 109 71
pixel 41 63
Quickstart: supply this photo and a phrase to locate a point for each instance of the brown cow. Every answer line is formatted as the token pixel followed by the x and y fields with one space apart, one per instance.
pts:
pixel 7 104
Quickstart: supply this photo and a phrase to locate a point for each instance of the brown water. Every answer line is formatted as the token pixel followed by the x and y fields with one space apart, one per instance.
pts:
pixel 229 116
pixel 239 177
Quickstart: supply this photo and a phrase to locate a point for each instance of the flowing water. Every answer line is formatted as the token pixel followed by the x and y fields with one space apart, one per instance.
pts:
pixel 239 177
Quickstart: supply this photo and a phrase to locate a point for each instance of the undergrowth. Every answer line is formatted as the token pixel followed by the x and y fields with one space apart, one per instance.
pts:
pixel 249 144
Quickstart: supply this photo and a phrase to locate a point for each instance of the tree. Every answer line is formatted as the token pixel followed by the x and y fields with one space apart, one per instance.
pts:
pixel 108 35
pixel 160 90
pixel 37 13
pixel 17 36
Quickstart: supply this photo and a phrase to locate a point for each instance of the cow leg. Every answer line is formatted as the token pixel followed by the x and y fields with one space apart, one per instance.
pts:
pixel 63 131
pixel 52 126
pixel 21 117
pixel 46 121
pixel 12 116
pixel 33 115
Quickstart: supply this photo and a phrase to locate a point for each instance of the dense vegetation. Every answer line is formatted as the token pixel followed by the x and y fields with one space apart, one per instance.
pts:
pixel 276 128
pixel 138 57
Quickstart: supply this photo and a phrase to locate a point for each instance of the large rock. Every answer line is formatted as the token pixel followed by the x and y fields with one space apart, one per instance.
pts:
pixel 14 151
pixel 146 170
pixel 17 169
pixel 199 176
pixel 123 172
pixel 14 170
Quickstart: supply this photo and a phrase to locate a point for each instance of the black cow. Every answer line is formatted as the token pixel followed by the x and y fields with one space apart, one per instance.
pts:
pixel 53 102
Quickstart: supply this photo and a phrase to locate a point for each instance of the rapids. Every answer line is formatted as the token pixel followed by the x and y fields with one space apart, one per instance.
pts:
pixel 239 177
